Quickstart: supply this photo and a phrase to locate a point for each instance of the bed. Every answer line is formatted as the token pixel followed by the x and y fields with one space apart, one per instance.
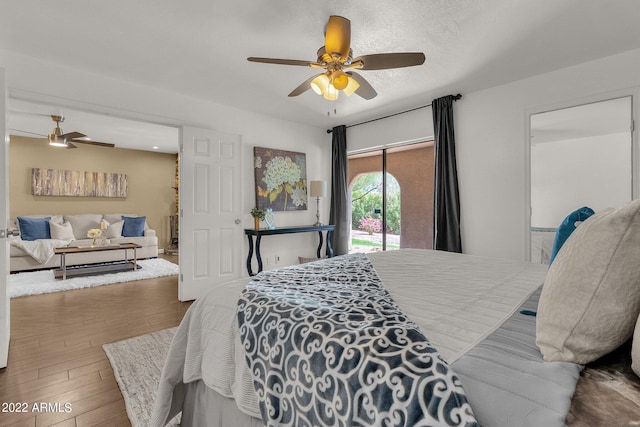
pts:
pixel 419 337
pixel 469 305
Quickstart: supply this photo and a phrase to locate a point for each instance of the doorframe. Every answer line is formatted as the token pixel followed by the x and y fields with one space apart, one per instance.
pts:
pixel 633 92
pixel 43 99
pixel 5 300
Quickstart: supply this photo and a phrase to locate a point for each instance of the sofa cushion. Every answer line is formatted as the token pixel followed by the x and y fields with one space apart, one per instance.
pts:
pixel 114 230
pixel 113 218
pixel 133 226
pixel 34 228
pixel 62 231
pixel 82 223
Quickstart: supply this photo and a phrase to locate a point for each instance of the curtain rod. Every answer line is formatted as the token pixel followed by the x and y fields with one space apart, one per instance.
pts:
pixel 455 98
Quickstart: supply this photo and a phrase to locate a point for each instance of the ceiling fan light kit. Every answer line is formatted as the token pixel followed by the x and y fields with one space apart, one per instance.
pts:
pixel 56 141
pixel 336 56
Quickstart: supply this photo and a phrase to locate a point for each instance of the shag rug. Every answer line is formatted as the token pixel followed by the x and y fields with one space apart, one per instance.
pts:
pixel 43 282
pixel 137 364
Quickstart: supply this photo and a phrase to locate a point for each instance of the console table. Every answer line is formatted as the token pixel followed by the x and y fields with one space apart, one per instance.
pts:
pixel 285 230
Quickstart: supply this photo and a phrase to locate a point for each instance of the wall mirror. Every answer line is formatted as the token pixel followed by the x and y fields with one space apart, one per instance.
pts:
pixel 580 156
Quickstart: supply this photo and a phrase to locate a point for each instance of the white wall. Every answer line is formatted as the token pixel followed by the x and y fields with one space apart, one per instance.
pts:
pixel 492 149
pixel 32 79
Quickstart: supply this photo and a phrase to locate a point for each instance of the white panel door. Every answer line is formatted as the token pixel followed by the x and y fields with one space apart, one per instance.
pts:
pixel 4 217
pixel 210 210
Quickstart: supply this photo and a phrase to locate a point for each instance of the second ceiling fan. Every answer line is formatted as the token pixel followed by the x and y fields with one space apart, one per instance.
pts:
pixel 68 140
pixel 336 56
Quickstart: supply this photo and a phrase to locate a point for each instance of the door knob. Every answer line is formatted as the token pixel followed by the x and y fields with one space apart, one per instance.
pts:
pixel 237 221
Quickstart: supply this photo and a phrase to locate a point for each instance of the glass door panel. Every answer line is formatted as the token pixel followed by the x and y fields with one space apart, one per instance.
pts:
pixel 365 171
pixel 409 196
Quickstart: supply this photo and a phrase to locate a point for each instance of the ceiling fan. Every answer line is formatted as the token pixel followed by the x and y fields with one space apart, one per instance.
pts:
pixel 336 56
pixel 68 140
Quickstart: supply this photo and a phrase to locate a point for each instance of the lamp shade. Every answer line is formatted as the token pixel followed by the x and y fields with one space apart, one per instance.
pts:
pixel 318 189
pixel 351 87
pixel 320 84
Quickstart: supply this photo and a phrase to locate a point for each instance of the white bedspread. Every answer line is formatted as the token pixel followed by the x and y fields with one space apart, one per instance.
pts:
pixel 457 300
pixel 41 250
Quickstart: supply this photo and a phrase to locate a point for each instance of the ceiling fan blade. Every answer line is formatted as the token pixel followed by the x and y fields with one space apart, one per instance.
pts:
pixel 304 86
pixel 337 37
pixel 70 145
pixel 101 144
pixel 284 61
pixel 365 90
pixel 383 61
pixel 72 135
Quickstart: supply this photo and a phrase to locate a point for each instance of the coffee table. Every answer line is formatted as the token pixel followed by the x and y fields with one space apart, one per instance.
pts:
pixel 100 268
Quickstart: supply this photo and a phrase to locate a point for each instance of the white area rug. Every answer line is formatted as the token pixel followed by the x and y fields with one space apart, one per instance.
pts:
pixel 43 282
pixel 137 364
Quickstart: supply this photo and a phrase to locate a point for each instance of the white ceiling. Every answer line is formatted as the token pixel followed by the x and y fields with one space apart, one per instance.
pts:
pixel 469 45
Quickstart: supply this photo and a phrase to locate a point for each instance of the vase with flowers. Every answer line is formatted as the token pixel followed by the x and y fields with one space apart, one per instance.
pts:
pixel 93 234
pixel 258 215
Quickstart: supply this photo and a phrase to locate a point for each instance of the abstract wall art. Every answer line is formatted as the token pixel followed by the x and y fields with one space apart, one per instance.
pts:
pixel 54 182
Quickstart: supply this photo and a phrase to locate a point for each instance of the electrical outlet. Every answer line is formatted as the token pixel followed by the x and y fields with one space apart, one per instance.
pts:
pixel 267 260
pixel 276 259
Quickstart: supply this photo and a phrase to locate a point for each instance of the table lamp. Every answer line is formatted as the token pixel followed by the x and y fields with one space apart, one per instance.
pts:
pixel 318 189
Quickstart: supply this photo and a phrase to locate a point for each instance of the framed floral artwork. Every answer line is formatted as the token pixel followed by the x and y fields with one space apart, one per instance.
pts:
pixel 281 179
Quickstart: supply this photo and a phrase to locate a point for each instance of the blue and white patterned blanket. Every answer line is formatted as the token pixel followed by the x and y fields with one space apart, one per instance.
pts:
pixel 327 346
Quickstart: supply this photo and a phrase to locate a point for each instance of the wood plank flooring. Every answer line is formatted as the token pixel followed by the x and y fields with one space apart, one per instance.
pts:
pixel 56 355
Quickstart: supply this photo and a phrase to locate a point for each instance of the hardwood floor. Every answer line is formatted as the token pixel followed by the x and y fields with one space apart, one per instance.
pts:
pixel 56 355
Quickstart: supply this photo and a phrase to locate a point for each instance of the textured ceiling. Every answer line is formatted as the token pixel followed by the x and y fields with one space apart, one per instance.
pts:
pixel 199 47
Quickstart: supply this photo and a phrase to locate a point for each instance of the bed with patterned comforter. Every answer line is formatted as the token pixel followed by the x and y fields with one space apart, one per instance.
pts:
pixel 404 338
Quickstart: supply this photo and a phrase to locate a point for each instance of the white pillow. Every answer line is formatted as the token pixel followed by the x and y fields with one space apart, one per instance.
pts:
pixel 590 300
pixel 62 231
pixel 114 230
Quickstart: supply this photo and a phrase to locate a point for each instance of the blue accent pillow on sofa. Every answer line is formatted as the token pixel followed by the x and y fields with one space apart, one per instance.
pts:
pixel 133 226
pixel 567 227
pixel 34 228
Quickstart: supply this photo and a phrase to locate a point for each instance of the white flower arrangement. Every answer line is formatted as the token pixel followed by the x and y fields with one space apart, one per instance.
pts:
pixel 93 233
pixel 281 170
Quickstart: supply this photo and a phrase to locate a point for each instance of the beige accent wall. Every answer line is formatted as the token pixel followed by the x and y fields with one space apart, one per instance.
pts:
pixel 151 178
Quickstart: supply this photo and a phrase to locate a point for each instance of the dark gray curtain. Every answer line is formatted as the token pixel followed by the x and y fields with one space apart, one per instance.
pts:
pixel 446 209
pixel 339 191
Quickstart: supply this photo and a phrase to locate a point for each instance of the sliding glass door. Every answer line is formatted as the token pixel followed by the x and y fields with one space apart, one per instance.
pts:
pixel 392 198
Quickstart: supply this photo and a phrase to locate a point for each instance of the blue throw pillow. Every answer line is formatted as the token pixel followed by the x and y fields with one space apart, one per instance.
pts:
pixel 34 228
pixel 567 227
pixel 133 226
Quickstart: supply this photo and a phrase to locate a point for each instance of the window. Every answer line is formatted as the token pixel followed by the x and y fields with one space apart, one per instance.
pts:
pixel 392 198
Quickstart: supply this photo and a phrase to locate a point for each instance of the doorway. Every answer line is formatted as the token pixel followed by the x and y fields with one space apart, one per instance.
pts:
pixel 392 198
pixel 579 156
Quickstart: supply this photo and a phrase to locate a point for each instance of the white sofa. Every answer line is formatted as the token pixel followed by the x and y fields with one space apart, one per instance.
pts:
pixel 81 224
